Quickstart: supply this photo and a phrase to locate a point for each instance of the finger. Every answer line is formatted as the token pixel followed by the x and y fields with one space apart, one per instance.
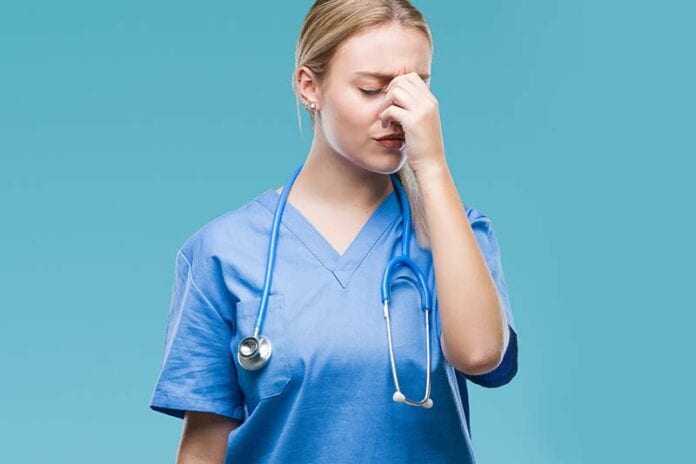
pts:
pixel 418 86
pixel 407 87
pixel 416 91
pixel 417 80
pixel 394 114
pixel 409 82
pixel 396 96
pixel 392 82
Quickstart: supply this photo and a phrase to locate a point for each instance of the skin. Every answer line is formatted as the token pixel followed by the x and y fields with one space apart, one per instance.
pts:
pixel 344 179
pixel 204 438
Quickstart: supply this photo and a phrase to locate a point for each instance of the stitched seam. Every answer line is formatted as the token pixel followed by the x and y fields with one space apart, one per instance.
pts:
pixel 389 226
pixel 195 285
pixel 296 237
pixel 199 399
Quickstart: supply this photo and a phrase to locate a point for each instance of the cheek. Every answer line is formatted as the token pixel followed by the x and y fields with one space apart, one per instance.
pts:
pixel 359 111
pixel 350 119
pixel 349 123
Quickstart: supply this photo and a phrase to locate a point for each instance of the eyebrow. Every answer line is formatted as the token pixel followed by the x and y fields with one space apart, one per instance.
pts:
pixel 386 75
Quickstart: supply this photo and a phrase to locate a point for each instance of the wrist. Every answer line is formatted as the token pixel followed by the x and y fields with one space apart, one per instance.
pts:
pixel 430 169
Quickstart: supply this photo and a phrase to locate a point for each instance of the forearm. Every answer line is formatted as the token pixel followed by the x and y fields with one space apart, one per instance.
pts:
pixel 204 438
pixel 474 326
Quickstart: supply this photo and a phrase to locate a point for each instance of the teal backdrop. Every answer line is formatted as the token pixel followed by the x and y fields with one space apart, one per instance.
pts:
pixel 125 126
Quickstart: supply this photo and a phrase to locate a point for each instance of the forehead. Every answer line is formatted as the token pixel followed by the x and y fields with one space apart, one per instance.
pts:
pixel 384 52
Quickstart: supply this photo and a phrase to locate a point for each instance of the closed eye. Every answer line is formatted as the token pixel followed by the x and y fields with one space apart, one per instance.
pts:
pixel 370 92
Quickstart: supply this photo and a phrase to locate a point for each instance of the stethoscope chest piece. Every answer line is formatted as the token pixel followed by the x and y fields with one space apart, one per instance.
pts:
pixel 254 352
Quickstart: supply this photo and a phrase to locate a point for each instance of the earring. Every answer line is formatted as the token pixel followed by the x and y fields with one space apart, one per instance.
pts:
pixel 312 106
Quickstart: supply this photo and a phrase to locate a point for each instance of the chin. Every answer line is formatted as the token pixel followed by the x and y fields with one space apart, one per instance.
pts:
pixel 382 163
pixel 389 164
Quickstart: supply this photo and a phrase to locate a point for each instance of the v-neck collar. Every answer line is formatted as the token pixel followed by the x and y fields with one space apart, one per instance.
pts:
pixel 341 266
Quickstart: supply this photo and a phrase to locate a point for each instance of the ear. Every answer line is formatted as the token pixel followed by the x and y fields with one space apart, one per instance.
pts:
pixel 307 85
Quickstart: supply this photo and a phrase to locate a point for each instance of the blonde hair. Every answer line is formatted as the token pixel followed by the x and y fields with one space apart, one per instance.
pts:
pixel 326 26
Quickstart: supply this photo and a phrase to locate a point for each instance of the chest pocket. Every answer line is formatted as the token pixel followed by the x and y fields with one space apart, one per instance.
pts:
pixel 272 378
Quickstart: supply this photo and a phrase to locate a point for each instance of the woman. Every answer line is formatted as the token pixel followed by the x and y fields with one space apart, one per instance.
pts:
pixel 327 393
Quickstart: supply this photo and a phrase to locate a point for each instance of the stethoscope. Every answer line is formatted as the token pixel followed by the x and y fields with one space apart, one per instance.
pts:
pixel 255 351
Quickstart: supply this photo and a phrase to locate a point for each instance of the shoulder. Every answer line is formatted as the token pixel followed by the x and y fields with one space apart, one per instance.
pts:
pixel 228 229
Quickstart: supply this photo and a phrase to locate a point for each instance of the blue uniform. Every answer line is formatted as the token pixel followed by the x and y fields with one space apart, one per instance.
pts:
pixel 325 395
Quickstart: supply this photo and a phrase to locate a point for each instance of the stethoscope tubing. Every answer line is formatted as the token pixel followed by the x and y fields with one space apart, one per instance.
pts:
pixel 273 244
pixel 260 345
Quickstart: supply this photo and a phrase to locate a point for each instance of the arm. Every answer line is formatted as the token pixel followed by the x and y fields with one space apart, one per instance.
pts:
pixel 204 438
pixel 474 327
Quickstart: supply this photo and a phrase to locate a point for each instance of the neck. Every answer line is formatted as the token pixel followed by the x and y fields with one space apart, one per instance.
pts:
pixel 331 179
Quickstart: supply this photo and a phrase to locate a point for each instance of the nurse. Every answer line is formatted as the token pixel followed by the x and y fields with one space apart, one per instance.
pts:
pixel 326 394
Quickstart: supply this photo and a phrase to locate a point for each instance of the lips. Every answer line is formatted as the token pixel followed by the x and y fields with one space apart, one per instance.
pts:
pixel 391 137
pixel 394 144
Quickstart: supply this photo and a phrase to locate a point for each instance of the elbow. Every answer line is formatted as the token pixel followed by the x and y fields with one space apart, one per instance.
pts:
pixel 479 360
pixel 481 364
pixel 476 363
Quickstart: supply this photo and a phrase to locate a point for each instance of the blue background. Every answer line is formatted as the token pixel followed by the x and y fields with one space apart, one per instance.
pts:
pixel 125 126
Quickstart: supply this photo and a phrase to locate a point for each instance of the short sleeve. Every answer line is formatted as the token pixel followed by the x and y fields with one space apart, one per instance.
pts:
pixel 485 236
pixel 197 371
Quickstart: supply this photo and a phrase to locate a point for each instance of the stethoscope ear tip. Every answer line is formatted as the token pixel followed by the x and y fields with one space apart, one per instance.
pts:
pixel 428 404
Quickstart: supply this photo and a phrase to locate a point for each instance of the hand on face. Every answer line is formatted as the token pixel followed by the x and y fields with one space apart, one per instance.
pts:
pixel 408 102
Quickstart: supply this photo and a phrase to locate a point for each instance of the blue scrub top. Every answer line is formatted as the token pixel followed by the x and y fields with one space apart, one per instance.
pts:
pixel 325 395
